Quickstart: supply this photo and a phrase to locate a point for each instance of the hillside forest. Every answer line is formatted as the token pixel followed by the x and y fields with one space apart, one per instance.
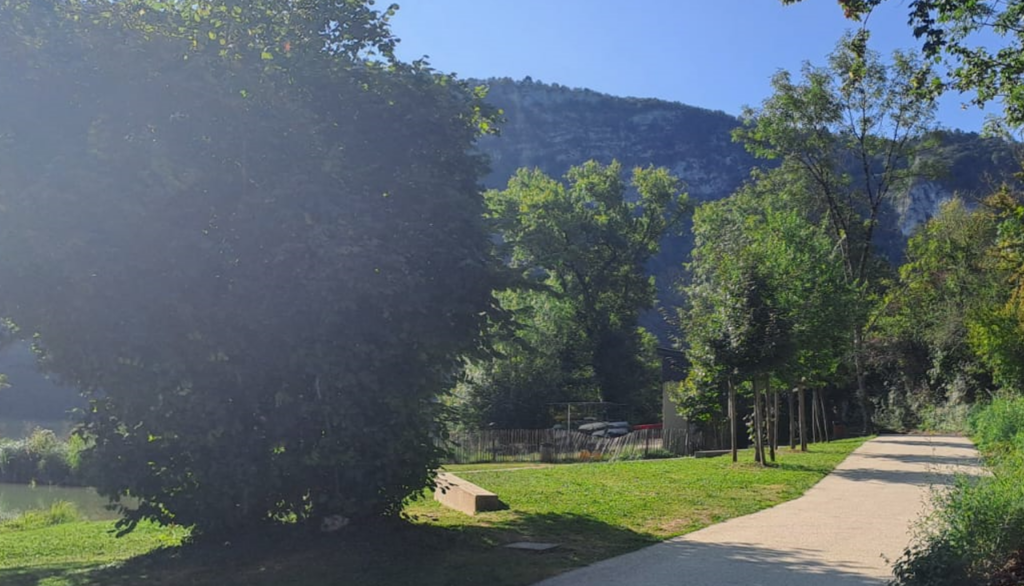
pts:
pixel 247 235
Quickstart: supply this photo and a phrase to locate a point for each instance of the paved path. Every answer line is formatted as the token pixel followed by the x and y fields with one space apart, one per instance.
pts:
pixel 840 533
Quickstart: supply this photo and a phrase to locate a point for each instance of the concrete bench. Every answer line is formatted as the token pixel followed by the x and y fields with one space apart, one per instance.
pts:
pixel 464 496
pixel 710 453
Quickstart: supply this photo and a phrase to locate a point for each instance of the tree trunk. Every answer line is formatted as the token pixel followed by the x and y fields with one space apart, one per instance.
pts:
pixel 824 415
pixel 791 397
pixel 803 420
pixel 771 403
pixel 776 413
pixel 815 434
pixel 758 425
pixel 862 391
pixel 732 419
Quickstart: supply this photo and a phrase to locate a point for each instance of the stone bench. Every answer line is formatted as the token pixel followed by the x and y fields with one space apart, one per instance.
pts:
pixel 464 496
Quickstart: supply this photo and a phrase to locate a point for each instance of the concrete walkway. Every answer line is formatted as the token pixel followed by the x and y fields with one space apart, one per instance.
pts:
pixel 844 531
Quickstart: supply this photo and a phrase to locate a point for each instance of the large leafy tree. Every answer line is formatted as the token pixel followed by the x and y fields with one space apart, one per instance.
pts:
pixel 997 331
pixel 252 237
pixel 853 131
pixel 535 358
pixel 587 241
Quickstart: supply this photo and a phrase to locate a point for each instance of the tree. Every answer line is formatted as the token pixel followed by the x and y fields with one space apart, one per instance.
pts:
pixel 535 359
pixel 588 242
pixel 948 281
pixel 766 294
pixel 854 131
pixel 252 237
pixel 996 333
pixel 946 28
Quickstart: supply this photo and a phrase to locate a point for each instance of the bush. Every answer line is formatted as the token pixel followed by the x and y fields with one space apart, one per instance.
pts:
pixel 999 427
pixel 894 413
pixel 40 458
pixel 947 418
pixel 978 524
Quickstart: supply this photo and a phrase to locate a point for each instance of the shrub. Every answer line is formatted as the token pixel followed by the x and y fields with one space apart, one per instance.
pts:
pixel 999 427
pixel 947 418
pixel 894 413
pixel 41 458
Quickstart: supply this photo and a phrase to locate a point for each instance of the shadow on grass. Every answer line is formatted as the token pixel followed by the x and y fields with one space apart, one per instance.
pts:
pixel 384 553
pixel 36 575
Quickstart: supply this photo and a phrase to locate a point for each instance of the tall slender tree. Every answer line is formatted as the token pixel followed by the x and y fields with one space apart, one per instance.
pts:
pixel 854 131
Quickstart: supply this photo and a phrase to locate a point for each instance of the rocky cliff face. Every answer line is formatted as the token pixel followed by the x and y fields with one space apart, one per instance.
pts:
pixel 553 127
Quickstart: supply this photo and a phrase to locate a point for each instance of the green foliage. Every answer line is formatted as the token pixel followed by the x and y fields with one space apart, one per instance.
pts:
pixel 858 109
pixel 947 30
pixel 999 426
pixel 994 333
pixel 979 523
pixel 40 458
pixel 948 418
pixel 767 294
pixel 537 359
pixel 935 333
pixel 850 135
pixel 581 247
pixel 250 265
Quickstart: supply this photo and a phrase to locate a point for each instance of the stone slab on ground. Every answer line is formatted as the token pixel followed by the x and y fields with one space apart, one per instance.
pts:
pixel 845 531
pixel 532 546
pixel 464 496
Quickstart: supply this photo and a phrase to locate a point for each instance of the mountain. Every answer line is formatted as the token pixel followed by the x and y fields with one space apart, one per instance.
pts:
pixel 552 127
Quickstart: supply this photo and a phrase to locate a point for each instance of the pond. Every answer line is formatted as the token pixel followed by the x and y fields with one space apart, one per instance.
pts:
pixel 16 498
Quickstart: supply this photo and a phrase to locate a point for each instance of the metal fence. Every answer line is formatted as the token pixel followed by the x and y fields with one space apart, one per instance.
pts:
pixel 552 445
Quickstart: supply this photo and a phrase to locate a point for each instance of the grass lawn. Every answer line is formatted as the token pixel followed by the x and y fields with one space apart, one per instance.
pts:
pixel 594 510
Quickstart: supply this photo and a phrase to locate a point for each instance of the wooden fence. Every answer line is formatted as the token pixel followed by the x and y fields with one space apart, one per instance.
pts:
pixel 552 445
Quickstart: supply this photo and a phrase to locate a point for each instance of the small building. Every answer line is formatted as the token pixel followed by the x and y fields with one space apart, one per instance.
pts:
pixel 675 428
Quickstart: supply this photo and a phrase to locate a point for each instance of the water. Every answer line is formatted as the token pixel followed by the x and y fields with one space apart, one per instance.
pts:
pixel 17 498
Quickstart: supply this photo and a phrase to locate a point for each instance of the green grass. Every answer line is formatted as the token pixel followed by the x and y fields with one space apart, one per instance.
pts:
pixel 594 510
pixel 59 513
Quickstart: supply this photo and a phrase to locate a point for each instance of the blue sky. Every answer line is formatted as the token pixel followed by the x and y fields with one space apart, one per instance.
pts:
pixel 716 54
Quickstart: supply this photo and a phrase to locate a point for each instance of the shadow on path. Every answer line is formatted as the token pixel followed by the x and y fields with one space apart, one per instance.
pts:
pixel 933 442
pixel 904 477
pixel 712 564
pixel 929 459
